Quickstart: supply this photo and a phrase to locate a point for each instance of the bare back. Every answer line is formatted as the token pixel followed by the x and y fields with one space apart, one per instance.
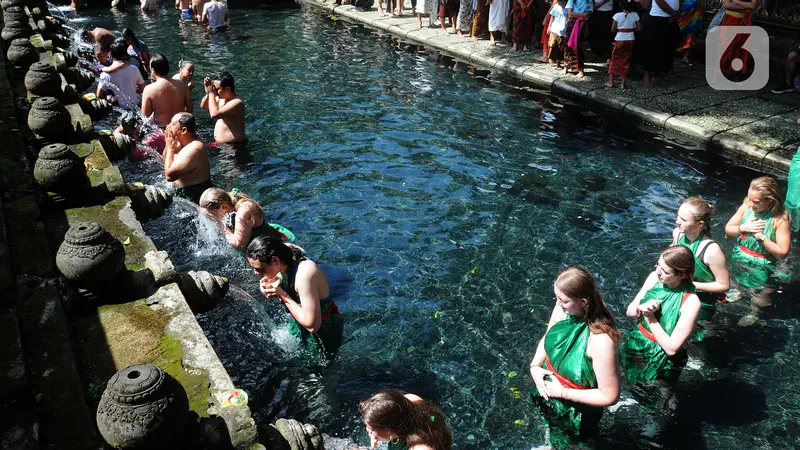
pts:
pixel 194 160
pixel 164 98
pixel 230 127
pixel 184 4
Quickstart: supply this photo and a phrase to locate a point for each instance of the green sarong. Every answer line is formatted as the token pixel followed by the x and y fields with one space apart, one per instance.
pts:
pixel 325 341
pixel 703 274
pixel 752 265
pixel 565 346
pixel 642 357
pixel 793 192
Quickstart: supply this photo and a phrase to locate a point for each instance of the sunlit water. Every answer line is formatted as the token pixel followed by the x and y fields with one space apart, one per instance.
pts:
pixel 396 169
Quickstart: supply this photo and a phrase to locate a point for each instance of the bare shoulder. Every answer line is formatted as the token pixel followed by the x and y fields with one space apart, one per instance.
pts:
pixel 414 398
pixel 600 343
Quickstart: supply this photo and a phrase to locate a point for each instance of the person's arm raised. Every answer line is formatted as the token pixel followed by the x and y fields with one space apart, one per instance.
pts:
pixel 179 165
pixel 240 236
pixel 633 307
pixel 227 110
pixel 671 343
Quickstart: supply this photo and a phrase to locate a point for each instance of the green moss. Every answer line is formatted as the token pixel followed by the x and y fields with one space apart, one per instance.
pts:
pixel 196 385
pixel 95 177
pixel 94 154
pixel 108 217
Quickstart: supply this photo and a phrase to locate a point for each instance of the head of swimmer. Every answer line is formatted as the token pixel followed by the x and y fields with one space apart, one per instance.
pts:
pixel 215 203
pixel 268 256
pixel 675 266
pixel 763 196
pixel 694 217
pixel 187 70
pixel 576 291
pixel 182 127
pixel 223 85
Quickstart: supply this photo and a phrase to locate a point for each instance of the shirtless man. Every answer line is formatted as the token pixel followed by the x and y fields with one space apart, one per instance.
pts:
pixel 226 108
pixel 185 8
pixel 197 9
pixel 164 97
pixel 186 158
pixel 185 73
pixel 102 36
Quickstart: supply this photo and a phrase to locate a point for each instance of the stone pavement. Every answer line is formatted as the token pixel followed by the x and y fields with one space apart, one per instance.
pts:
pixel 757 129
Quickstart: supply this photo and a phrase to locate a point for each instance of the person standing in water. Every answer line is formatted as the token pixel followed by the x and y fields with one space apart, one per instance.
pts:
pixel 666 310
pixel 289 275
pixel 185 73
pixel 761 225
pixel 405 421
pixel 693 231
pixel 185 9
pixel 216 13
pixel 164 97
pixel 186 158
pixel 575 367
pixel 242 217
pixel 226 108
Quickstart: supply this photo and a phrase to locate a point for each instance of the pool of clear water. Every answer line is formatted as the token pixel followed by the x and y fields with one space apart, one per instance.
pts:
pixel 441 199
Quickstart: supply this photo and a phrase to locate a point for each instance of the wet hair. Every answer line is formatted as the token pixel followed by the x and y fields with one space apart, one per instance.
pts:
pixel 186 120
pixel 160 64
pixel 680 259
pixel 416 423
pixel 127 33
pixel 129 119
pixel 701 211
pixel 119 50
pixel 214 198
pixel 226 80
pixel 576 282
pixel 768 188
pixel 183 63
pixel 263 248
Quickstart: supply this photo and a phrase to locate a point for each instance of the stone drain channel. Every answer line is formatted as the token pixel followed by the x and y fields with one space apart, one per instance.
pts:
pixel 99 344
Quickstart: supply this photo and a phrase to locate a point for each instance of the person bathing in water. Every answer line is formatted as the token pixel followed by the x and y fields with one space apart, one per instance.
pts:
pixel 185 9
pixel 226 108
pixel 186 158
pixel 288 275
pixel 185 73
pixel 241 217
pixel 405 421
pixel 164 97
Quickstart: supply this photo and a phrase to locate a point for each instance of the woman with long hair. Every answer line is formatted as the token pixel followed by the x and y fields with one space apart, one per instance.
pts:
pixel 693 231
pixel 666 310
pixel 761 225
pixel 575 366
pixel 289 275
pixel 405 421
pixel 241 217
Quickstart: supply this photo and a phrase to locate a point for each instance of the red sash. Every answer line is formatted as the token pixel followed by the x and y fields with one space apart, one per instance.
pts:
pixel 751 252
pixel 647 332
pixel 626 30
pixel 564 381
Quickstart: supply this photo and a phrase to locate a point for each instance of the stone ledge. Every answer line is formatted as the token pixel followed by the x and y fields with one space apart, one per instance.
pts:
pixel 582 90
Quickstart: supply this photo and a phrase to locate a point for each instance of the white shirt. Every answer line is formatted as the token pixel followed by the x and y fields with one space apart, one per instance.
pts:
pixel 625 21
pixel 216 14
pixel 656 10
pixel 558 24
pixel 607 6
pixel 122 83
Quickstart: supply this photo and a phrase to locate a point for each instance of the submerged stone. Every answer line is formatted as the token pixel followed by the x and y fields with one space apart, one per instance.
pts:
pixel 610 203
pixel 584 219
pixel 593 182
pixel 142 408
pixel 543 196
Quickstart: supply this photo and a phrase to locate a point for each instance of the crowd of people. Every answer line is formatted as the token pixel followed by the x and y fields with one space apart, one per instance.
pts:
pixel 577 366
pixel 621 33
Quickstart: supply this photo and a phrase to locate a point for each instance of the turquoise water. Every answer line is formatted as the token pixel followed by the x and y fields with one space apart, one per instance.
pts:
pixel 441 200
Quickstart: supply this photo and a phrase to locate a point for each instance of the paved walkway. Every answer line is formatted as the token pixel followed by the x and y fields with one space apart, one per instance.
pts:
pixel 756 128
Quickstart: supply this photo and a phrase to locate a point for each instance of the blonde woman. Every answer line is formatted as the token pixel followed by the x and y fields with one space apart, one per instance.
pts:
pixel 761 225
pixel 241 217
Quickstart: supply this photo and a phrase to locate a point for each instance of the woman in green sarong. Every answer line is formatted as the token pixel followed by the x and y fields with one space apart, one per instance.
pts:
pixel 405 421
pixel 289 275
pixel 693 231
pixel 241 218
pixel 575 367
pixel 761 225
pixel 666 310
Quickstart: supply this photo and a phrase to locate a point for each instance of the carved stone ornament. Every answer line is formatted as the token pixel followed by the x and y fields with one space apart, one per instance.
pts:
pixel 64 60
pixel 90 256
pixel 49 118
pixel 299 436
pixel 21 53
pixel 16 30
pixel 142 408
pixel 43 80
pixel 59 169
pixel 14 14
pixel 149 202
pixel 202 290
pixel 9 3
